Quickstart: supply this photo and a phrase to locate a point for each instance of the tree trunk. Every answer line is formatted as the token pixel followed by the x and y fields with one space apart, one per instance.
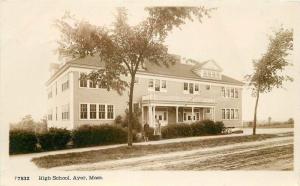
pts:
pixel 130 110
pixel 255 113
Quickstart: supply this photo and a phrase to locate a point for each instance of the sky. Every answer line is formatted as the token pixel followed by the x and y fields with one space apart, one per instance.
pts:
pixel 235 34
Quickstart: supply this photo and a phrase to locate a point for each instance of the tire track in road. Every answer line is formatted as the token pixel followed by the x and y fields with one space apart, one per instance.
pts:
pixel 230 157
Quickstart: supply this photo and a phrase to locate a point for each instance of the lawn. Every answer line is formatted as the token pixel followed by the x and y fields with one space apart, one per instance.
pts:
pixel 142 150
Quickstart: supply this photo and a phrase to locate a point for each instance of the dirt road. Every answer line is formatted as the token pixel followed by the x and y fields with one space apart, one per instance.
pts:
pixel 271 154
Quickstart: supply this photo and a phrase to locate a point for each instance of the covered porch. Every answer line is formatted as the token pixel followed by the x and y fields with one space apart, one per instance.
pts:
pixel 169 110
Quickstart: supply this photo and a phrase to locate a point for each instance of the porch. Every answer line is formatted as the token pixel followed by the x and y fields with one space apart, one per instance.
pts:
pixel 171 109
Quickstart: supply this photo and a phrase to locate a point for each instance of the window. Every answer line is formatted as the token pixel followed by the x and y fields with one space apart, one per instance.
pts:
pixel 223 92
pixel 232 114
pixel 65 86
pixel 101 111
pixel 83 83
pixel 236 93
pixel 227 113
pixel 207 110
pixel 205 73
pixel 163 84
pixel 150 83
pixel 65 112
pixel 83 111
pixel 197 116
pixel 227 92
pixel 236 113
pixel 207 87
pixel 184 116
pixel 185 86
pixel 191 88
pixel 223 113
pixel 196 87
pixel 165 116
pixel 110 111
pixel 49 115
pixel 157 85
pixel 92 84
pixel 93 111
pixel 232 92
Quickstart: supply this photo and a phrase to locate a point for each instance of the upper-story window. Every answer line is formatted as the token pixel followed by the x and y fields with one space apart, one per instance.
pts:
pixel 65 85
pixel 163 84
pixel 236 93
pixel 157 85
pixel 229 92
pixel 92 84
pixel 190 88
pixel 83 83
pixel 150 84
pixel 185 86
pixel 196 87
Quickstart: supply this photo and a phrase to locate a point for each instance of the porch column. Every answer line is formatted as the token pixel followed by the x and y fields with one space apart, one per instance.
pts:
pixel 176 114
pixel 142 115
pixel 214 114
pixel 153 116
pixel 192 114
pixel 150 115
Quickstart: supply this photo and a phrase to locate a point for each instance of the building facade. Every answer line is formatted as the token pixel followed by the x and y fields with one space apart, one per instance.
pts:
pixel 182 93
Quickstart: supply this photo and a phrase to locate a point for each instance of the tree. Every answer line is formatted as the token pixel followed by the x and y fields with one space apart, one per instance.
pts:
pixel 269 69
pixel 124 48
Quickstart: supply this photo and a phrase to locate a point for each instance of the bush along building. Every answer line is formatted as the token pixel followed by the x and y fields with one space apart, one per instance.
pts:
pixel 185 92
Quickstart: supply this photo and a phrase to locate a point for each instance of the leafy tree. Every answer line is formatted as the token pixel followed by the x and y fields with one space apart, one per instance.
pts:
pixel 124 48
pixel 269 69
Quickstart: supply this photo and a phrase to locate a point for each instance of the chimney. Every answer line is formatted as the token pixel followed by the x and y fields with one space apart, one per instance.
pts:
pixel 53 67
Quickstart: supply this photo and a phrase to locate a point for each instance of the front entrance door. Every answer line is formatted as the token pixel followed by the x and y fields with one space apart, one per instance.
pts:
pixel 162 117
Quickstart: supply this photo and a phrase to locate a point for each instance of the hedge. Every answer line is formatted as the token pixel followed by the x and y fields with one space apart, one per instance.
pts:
pixel 87 135
pixel 22 141
pixel 205 127
pixel 54 138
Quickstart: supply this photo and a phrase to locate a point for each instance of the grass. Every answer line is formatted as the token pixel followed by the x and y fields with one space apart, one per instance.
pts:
pixel 141 150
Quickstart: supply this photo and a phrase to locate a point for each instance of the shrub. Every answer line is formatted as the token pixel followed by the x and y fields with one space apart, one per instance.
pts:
pixel 176 130
pixel 201 128
pixel 198 129
pixel 98 135
pixel 219 127
pixel 54 138
pixel 22 141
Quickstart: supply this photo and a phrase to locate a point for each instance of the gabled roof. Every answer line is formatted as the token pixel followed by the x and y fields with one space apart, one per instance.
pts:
pixel 204 65
pixel 178 70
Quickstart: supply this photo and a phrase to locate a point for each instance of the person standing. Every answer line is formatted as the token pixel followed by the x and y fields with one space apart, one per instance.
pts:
pixel 146 131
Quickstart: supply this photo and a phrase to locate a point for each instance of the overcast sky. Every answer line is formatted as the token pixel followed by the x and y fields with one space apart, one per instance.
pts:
pixel 235 34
